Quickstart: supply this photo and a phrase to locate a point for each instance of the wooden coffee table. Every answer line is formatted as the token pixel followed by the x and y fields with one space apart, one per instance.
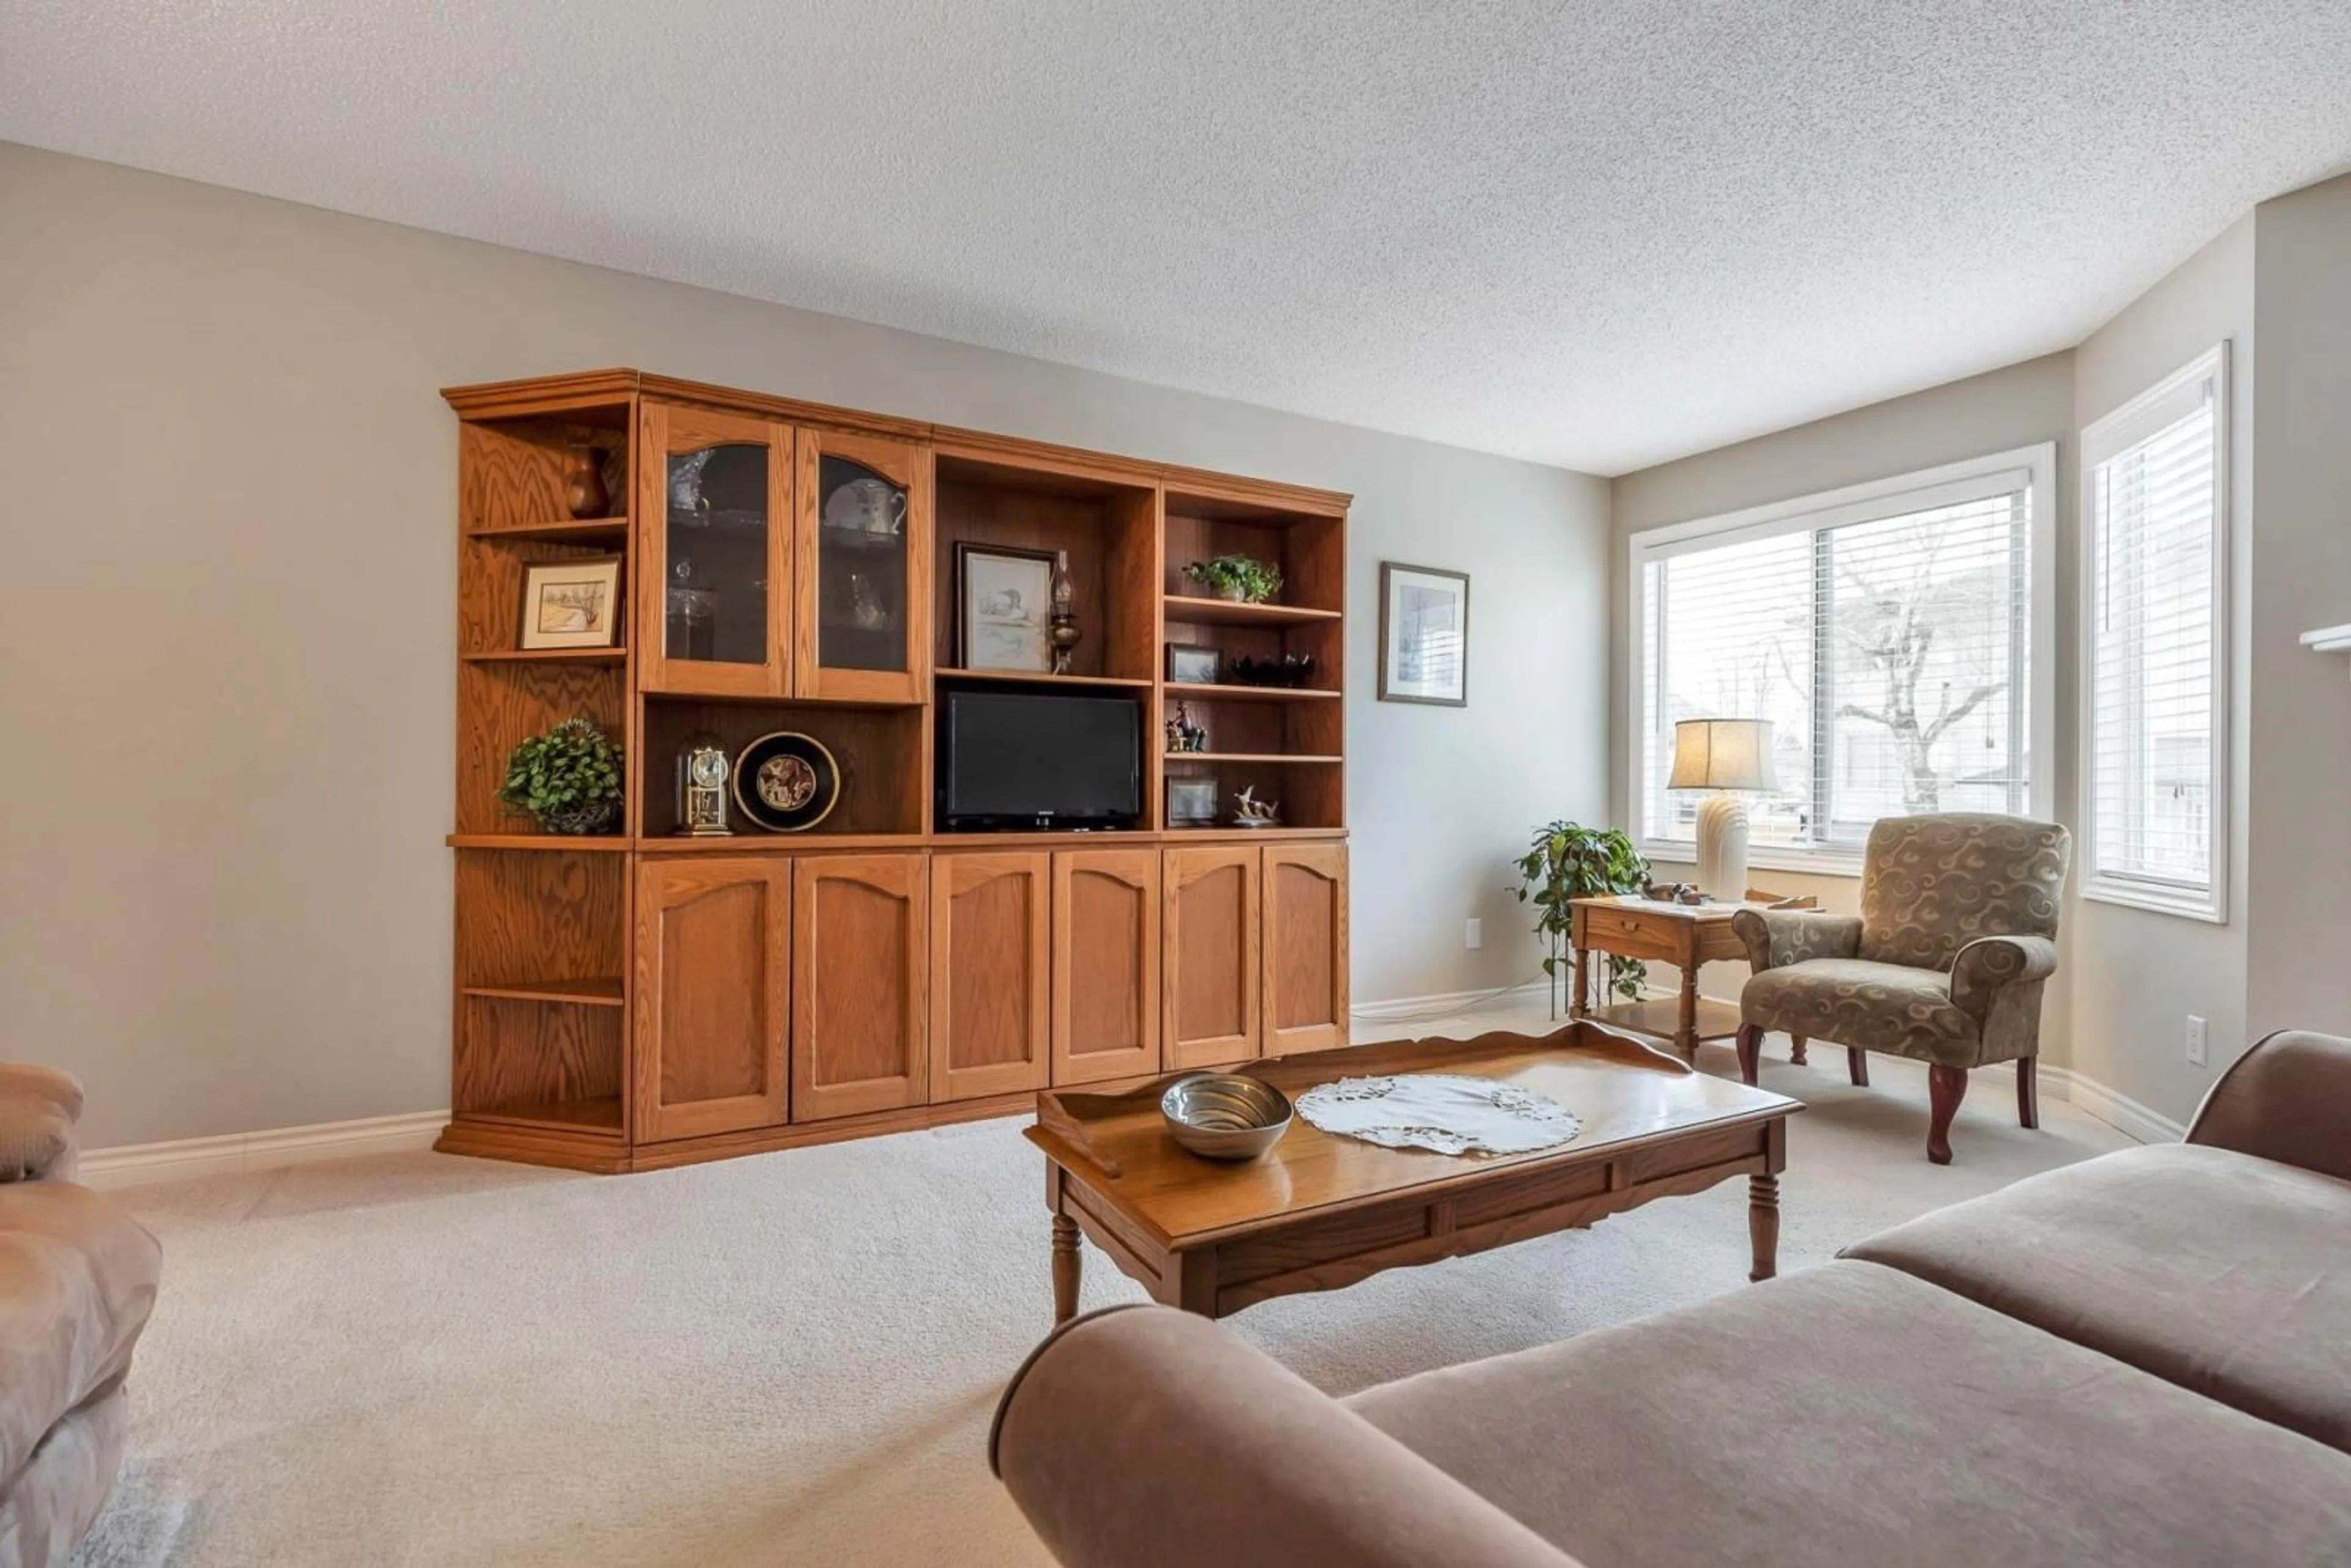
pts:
pixel 1319 1212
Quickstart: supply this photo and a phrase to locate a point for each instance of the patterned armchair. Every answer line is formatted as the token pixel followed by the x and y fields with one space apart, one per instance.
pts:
pixel 1944 964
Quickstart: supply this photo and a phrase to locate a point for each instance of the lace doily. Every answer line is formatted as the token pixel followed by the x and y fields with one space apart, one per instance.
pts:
pixel 1450 1114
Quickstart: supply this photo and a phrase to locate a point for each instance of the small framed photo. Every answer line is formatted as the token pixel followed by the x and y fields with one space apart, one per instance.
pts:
pixel 571 604
pixel 1424 635
pixel 1191 802
pixel 1191 664
pixel 1004 607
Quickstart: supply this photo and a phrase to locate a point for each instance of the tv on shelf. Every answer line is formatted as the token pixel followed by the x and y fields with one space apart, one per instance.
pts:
pixel 1038 760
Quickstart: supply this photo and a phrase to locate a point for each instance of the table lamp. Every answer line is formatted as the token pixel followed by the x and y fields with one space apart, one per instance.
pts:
pixel 1722 755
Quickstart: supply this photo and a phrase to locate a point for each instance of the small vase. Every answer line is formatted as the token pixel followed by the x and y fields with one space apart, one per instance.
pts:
pixel 577 821
pixel 584 495
pixel 1233 593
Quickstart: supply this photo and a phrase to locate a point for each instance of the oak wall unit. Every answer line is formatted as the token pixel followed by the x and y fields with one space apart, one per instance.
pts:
pixel 642 1000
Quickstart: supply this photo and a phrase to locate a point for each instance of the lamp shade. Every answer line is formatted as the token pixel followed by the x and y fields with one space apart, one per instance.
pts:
pixel 1722 754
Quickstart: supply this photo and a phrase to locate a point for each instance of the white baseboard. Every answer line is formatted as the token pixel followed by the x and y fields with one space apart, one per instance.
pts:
pixel 2119 1112
pixel 1443 1004
pixel 135 1164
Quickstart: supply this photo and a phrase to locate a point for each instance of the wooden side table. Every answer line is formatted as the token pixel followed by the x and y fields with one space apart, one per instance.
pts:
pixel 1683 934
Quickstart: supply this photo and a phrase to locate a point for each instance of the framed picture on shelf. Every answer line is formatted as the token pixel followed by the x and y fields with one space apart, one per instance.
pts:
pixel 1004 607
pixel 1424 635
pixel 1191 802
pixel 1190 664
pixel 571 604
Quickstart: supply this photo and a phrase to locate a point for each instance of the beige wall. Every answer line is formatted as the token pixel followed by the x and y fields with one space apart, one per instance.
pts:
pixel 226 637
pixel 2020 405
pixel 2301 730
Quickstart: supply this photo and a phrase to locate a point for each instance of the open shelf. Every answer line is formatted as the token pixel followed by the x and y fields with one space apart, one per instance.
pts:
pixel 600 1113
pixel 563 531
pixel 1246 756
pixel 1230 613
pixel 1203 690
pixel 567 843
pixel 549 656
pixel 602 991
pixel 1031 677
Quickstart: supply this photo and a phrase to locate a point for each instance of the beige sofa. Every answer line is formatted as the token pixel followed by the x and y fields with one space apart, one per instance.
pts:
pixel 2144 1359
pixel 78 1278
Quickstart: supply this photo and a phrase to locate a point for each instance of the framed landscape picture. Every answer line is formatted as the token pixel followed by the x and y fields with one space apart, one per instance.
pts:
pixel 1004 607
pixel 571 604
pixel 1424 635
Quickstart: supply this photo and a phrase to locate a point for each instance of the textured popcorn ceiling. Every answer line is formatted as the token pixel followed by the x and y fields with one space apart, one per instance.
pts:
pixel 1590 234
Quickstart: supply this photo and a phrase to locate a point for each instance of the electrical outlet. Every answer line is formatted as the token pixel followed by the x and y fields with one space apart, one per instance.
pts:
pixel 2195 1040
pixel 1473 933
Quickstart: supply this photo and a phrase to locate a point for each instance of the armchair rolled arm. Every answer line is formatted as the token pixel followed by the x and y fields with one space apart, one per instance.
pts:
pixel 1775 938
pixel 38 1108
pixel 1982 966
pixel 1147 1437
pixel 2288 1099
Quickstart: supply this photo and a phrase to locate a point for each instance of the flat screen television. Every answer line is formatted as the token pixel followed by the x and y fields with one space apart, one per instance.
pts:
pixel 1014 759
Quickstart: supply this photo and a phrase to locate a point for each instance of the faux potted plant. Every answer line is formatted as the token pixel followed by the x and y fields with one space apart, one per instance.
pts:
pixel 1565 862
pixel 1239 578
pixel 569 779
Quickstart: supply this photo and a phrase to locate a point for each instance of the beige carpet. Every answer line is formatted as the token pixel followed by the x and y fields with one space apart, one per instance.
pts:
pixel 791 1359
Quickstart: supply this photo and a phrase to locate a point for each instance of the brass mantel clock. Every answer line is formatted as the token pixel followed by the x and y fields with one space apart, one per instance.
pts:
pixel 702 773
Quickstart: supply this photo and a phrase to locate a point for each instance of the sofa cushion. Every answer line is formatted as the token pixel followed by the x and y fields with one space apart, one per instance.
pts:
pixel 78 1278
pixel 2222 1273
pixel 1853 1002
pixel 1852 1414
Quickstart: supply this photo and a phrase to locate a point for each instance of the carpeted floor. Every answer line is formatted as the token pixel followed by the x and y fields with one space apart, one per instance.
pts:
pixel 791 1359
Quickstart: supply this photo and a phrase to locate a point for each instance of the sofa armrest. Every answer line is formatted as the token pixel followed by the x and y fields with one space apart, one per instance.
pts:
pixel 2288 1099
pixel 38 1108
pixel 1775 938
pixel 1982 966
pixel 1143 1436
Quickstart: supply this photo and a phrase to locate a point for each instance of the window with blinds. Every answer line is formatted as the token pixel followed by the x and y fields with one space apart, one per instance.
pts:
pixel 1887 635
pixel 2154 504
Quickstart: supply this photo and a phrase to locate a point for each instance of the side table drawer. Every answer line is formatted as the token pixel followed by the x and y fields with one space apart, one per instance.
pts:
pixel 1630 935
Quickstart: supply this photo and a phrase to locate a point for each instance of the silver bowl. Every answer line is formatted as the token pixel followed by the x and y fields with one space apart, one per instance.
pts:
pixel 1225 1115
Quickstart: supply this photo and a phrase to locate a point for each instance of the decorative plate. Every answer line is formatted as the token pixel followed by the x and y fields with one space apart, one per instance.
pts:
pixel 786 783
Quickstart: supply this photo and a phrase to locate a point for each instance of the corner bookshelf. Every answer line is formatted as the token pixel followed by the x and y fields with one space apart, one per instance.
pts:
pixel 831 968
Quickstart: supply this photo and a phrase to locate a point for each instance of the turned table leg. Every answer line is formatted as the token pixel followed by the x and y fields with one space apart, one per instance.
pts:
pixel 1578 1003
pixel 1763 1225
pixel 1685 1024
pixel 1066 1265
pixel 1796 1050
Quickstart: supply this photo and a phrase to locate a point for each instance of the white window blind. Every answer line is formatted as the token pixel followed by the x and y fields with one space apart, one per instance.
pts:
pixel 1887 638
pixel 2153 508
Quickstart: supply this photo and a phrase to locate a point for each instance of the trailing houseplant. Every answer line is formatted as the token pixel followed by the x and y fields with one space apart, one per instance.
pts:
pixel 569 779
pixel 1237 577
pixel 1565 862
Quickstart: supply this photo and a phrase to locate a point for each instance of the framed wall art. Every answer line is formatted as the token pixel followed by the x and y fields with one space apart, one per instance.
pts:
pixel 1424 635
pixel 1004 607
pixel 571 604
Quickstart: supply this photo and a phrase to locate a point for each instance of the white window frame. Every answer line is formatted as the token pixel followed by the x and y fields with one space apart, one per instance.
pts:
pixel 2162 404
pixel 1892 497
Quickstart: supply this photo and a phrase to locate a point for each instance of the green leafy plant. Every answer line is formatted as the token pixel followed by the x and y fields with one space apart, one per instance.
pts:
pixel 1565 862
pixel 569 779
pixel 1255 580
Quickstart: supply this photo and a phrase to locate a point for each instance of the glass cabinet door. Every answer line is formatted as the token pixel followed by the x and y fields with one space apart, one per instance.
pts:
pixel 715 532
pixel 865 568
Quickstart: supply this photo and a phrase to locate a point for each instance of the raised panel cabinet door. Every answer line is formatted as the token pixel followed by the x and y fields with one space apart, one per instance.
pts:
pixel 714 521
pixel 714 974
pixel 1106 1008
pixel 1209 977
pixel 860 968
pixel 863 632
pixel 1305 943
pixel 990 974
